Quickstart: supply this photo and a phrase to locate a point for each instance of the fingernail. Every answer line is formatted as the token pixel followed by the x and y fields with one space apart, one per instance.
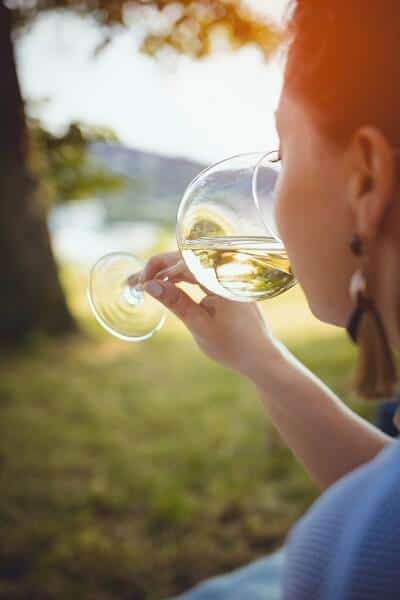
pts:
pixel 162 276
pixel 153 288
pixel 159 275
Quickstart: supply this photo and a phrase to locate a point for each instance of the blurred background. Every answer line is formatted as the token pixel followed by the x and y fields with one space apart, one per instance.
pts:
pixel 131 470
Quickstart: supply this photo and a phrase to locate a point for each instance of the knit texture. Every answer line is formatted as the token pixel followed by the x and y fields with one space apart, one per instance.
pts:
pixel 347 545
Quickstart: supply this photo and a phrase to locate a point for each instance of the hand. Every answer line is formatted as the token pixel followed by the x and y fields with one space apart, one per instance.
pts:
pixel 234 334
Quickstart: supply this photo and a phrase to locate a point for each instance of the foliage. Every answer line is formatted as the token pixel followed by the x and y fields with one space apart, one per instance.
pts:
pixel 65 167
pixel 195 23
pixel 190 30
pixel 189 26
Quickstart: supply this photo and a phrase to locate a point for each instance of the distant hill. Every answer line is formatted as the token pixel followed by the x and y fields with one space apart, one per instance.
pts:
pixel 133 217
pixel 155 183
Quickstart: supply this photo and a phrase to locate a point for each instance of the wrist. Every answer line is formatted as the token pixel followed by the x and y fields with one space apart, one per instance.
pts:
pixel 269 364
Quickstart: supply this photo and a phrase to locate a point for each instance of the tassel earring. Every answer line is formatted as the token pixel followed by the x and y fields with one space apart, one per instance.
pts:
pixel 375 375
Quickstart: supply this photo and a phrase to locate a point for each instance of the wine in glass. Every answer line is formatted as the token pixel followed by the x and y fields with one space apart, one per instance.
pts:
pixel 227 235
pixel 228 241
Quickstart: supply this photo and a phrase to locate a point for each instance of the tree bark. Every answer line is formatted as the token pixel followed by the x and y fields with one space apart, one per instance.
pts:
pixel 31 298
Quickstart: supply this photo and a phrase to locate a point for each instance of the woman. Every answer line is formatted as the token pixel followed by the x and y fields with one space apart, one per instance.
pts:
pixel 338 213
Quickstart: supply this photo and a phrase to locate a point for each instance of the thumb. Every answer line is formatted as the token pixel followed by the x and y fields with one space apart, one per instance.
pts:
pixel 177 301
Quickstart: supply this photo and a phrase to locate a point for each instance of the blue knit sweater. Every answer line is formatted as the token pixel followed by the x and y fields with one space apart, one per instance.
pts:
pixel 347 545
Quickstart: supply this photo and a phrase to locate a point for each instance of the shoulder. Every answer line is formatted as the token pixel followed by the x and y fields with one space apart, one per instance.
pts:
pixel 348 542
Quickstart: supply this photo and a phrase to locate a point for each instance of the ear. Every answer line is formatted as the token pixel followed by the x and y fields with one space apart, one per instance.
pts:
pixel 372 180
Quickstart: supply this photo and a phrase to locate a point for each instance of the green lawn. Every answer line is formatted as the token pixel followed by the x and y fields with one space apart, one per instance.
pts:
pixel 134 471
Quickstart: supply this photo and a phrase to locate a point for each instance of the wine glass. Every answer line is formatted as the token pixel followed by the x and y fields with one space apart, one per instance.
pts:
pixel 227 235
pixel 125 311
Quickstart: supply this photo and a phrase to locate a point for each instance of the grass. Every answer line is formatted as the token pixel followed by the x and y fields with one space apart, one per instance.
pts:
pixel 134 471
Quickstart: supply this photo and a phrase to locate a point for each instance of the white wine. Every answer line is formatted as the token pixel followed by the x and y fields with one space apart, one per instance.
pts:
pixel 239 268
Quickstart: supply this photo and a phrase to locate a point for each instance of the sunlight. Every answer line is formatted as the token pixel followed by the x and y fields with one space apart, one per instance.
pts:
pixel 200 99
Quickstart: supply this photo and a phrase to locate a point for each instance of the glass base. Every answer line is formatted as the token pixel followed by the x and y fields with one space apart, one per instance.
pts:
pixel 125 311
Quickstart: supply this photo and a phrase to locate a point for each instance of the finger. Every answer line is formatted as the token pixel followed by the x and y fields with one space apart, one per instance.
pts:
pixel 176 274
pixel 208 303
pixel 155 264
pixel 180 273
pixel 215 304
pixel 177 301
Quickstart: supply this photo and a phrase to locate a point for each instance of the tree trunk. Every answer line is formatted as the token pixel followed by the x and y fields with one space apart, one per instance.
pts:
pixel 31 298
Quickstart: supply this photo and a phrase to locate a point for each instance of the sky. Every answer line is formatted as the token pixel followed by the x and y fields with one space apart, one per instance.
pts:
pixel 204 110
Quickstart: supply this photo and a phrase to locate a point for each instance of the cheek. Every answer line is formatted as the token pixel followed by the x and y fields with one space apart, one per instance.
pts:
pixel 314 225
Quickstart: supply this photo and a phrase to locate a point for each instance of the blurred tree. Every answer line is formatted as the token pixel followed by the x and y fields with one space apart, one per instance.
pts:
pixel 31 295
pixel 64 166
